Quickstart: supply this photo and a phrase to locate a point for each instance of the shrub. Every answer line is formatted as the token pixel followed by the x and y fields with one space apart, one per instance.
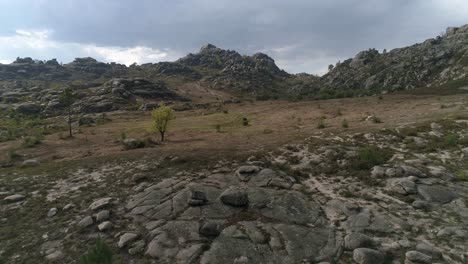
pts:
pixel 123 135
pixel 321 124
pixel 371 156
pixel 32 141
pixel 376 120
pixel 218 128
pixel 245 121
pixel 462 175
pixel 99 254
pixel 13 155
pixel 445 142
pixel 132 143
pixel 344 123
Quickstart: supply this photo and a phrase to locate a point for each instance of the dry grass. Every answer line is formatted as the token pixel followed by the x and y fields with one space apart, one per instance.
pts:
pixel 195 131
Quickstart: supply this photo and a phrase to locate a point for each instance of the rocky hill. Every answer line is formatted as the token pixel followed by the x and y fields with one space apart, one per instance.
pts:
pixel 437 62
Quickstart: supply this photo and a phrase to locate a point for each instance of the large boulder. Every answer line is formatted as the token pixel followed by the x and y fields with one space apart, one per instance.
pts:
pixel 29 108
pixel 436 194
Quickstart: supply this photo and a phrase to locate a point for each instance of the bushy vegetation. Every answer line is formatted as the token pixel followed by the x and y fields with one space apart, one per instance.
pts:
pixel 445 142
pixel 15 126
pixel 31 141
pixel 344 123
pixel 321 123
pixel 134 143
pixel 370 156
pixel 99 254
pixel 462 175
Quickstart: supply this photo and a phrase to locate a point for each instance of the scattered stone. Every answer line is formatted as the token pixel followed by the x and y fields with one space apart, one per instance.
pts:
pixel 68 207
pixel 403 186
pixel 436 194
pixel 85 222
pixel 104 226
pixel 436 127
pixel 357 240
pixel 14 198
pixel 412 171
pixel 28 108
pixel 394 172
pixel 137 247
pixel 235 197
pixel 368 256
pixel 423 205
pixel 101 203
pixel 102 216
pixel 153 224
pixel 198 198
pixel 126 239
pixel 55 256
pixel 246 172
pixel 30 163
pixel 418 257
pixel 429 250
pixel 453 232
pixel 210 229
pixel 52 212
pixel 377 172
pixel 241 260
pixel 138 177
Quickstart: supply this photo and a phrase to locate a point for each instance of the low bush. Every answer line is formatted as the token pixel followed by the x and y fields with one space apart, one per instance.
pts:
pixel 368 157
pixel 99 254
pixel 344 123
pixel 31 141
pixel 321 123
pixel 132 143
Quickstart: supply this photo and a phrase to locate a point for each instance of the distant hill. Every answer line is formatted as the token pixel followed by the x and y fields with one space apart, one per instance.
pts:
pixel 437 62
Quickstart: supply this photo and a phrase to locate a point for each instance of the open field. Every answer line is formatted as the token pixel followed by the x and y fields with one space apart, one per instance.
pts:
pixel 271 123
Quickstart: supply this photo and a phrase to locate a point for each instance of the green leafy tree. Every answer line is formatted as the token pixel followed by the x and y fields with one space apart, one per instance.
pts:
pixel 99 254
pixel 67 98
pixel 161 118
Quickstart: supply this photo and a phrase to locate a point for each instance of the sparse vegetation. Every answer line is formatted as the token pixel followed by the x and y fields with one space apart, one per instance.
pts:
pixel 245 121
pixel 344 123
pixel 321 123
pixel 31 141
pixel 376 120
pixel 370 156
pixel 99 254
pixel 462 175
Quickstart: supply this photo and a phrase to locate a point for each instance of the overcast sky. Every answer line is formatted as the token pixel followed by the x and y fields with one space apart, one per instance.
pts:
pixel 301 35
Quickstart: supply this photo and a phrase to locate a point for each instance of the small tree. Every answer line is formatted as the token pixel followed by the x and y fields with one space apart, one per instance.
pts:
pixel 161 118
pixel 67 98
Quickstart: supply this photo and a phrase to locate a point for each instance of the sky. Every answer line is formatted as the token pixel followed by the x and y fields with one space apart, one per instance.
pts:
pixel 300 35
